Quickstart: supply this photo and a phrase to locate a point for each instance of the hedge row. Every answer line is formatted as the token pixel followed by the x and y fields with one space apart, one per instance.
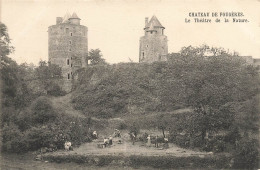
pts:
pixel 214 162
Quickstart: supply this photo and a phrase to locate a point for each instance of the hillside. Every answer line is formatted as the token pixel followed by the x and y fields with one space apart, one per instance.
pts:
pixel 63 103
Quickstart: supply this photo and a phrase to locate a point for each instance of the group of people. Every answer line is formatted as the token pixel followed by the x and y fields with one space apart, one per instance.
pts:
pixel 117 133
pixel 156 142
pixel 108 141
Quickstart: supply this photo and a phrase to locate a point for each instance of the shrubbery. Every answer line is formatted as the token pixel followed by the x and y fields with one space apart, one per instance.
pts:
pixel 247 154
pixel 43 126
pixel 136 161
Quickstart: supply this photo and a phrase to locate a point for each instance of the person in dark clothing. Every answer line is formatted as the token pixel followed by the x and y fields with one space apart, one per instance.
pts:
pixel 110 140
pixel 156 141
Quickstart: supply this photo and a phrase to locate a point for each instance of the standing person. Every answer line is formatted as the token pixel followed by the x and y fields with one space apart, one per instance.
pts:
pixel 133 137
pixel 110 140
pixel 105 142
pixel 149 141
pixel 118 134
pixel 115 133
pixel 156 141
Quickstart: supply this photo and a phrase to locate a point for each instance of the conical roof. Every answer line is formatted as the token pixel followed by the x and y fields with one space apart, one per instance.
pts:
pixel 154 22
pixel 74 16
pixel 66 18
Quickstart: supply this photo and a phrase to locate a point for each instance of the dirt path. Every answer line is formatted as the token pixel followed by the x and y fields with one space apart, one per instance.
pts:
pixel 127 149
pixel 64 103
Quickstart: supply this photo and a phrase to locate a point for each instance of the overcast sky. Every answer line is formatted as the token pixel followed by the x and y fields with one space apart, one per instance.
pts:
pixel 116 26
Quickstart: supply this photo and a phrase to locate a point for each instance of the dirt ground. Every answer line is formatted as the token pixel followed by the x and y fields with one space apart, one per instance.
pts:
pixel 126 148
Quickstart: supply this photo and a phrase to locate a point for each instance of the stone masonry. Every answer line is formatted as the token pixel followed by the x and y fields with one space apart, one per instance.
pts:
pixel 153 45
pixel 68 46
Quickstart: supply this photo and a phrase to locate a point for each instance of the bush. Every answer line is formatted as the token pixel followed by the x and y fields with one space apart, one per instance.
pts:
pixel 217 144
pixel 42 111
pixel 246 154
pixel 56 90
pixel 122 126
pixel 51 133
pixel 136 161
pixel 134 129
pixel 13 140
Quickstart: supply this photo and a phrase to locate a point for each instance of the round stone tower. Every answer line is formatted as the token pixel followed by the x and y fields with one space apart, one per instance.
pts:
pixel 68 46
pixel 153 45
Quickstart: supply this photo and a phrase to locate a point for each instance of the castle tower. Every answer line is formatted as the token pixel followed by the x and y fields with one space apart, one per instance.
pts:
pixel 153 45
pixel 68 46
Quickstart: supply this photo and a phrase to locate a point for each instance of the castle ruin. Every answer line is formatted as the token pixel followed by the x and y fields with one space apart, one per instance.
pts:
pixel 68 46
pixel 153 45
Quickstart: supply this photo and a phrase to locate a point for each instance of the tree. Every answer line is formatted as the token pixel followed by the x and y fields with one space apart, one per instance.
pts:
pixel 8 68
pixel 211 77
pixel 163 121
pixel 49 75
pixel 5 41
pixel 95 57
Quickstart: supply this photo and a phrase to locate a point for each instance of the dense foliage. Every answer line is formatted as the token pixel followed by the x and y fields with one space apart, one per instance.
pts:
pixel 29 120
pixel 220 88
pixel 41 125
pixel 95 57
pixel 144 161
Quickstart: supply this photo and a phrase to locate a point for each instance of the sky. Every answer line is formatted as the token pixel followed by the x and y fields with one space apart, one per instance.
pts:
pixel 115 27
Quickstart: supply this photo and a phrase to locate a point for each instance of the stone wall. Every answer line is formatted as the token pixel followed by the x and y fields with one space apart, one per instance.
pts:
pixel 68 48
pixel 153 47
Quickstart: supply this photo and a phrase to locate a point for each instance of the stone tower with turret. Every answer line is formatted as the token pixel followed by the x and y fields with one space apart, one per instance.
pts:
pixel 68 46
pixel 153 45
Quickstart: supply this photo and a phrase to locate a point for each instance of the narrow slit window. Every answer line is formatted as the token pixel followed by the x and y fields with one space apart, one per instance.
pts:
pixel 68 61
pixel 143 54
pixel 68 76
pixel 70 42
pixel 71 34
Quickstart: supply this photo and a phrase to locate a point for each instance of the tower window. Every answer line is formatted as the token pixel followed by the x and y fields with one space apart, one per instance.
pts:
pixel 68 61
pixel 146 45
pixel 71 65
pixel 71 34
pixel 70 49
pixel 68 75
pixel 143 54
pixel 70 42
